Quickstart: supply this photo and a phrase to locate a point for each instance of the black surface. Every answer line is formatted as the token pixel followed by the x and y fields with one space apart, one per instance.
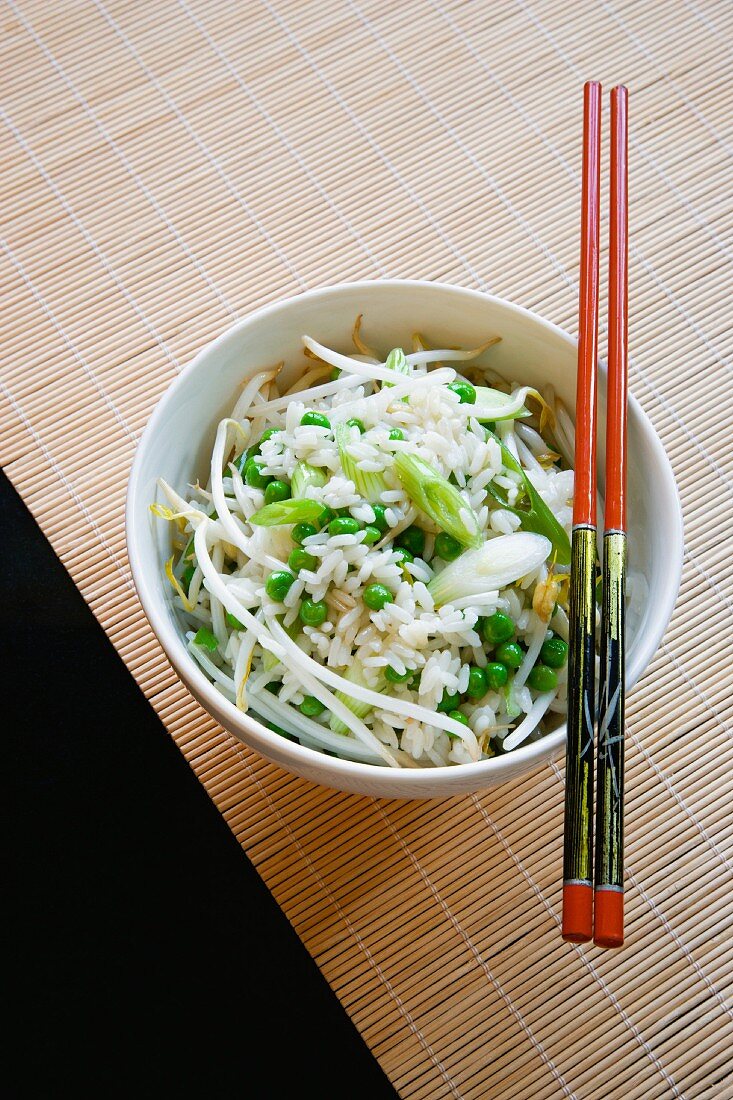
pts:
pixel 144 951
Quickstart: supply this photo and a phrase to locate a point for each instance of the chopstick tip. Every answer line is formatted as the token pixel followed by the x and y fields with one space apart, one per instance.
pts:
pixel 608 930
pixel 577 912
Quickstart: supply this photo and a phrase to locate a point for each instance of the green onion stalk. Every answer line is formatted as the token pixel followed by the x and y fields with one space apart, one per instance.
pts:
pixel 369 484
pixel 438 499
pixel 536 516
pixel 288 511
pixel 306 477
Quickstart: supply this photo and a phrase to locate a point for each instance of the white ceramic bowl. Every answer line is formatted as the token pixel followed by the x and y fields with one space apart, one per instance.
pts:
pixel 177 444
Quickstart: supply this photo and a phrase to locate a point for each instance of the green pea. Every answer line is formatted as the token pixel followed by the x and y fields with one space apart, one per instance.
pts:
pixel 397 677
pixel 380 519
pixel 377 596
pixel 277 490
pixel 497 628
pixel 478 683
pixel 303 531
pixel 403 556
pixel 311 707
pixel 278 584
pixel 446 547
pixel 372 534
pixel 315 419
pixel 510 654
pixel 300 559
pixel 554 652
pixel 497 674
pixel 253 475
pixel 542 678
pixel 313 613
pixel 233 621
pixel 465 391
pixel 457 716
pixel 356 423
pixel 413 539
pixel 449 702
pixel 343 525
pixel 397 435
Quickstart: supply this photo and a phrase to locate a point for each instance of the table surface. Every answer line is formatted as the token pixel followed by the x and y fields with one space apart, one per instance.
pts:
pixel 168 168
pixel 103 902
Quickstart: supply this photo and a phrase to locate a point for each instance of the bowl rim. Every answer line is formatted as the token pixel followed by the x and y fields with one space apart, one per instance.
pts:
pixel 523 759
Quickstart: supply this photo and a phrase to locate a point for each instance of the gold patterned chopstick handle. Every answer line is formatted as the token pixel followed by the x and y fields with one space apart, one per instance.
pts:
pixel 609 855
pixel 578 849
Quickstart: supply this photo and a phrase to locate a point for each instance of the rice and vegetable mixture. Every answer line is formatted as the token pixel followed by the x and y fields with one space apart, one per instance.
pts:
pixel 378 566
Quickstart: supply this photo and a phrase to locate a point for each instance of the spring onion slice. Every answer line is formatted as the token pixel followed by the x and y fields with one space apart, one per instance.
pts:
pixel 499 562
pixel 438 499
pixel 355 675
pixel 205 638
pixel 304 477
pixel 269 660
pixel 287 511
pixel 369 483
pixel 397 362
pixel 537 516
pixel 513 708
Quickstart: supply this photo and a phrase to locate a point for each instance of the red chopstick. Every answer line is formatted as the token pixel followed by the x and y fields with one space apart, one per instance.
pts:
pixel 577 917
pixel 609 863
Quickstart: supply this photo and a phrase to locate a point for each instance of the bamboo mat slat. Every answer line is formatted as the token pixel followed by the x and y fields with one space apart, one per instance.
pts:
pixel 170 166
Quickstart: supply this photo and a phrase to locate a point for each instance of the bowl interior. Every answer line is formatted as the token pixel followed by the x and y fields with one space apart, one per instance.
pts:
pixel 177 445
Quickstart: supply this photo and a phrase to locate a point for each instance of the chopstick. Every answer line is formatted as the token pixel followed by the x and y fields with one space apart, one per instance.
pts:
pixel 609 856
pixel 577 914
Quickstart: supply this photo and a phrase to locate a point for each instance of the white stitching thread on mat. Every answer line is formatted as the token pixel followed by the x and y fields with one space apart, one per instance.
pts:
pixel 347 921
pixel 106 397
pixel 557 264
pixel 37 164
pixel 671 781
pixel 345 221
pixel 670 297
pixel 124 573
pixel 212 159
pixel 580 952
pixel 666 76
pixel 655 908
pixel 116 148
pixel 367 135
pixel 513 1008
pixel 549 144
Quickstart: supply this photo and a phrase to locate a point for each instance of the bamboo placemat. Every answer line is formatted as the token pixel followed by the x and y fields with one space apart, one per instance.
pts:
pixel 169 166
